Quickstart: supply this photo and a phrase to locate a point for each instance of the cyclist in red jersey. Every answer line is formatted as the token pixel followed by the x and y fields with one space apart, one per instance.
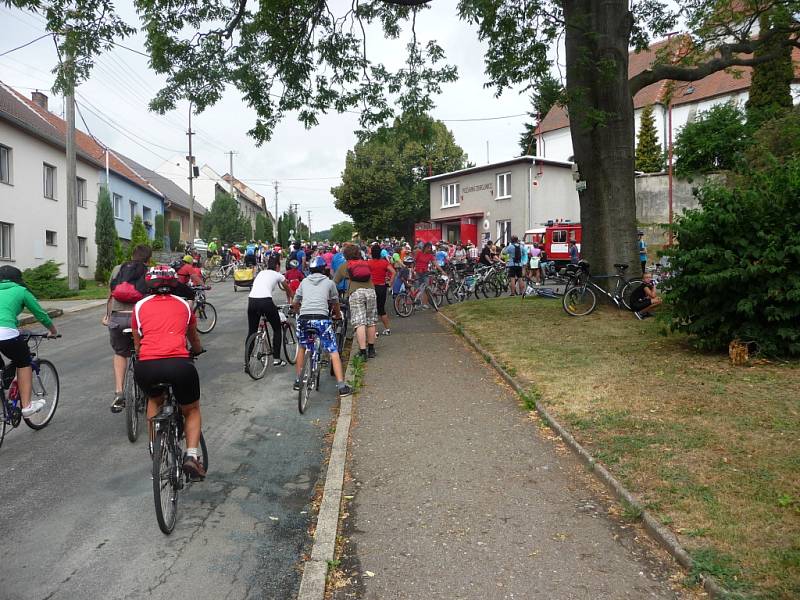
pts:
pixel 161 324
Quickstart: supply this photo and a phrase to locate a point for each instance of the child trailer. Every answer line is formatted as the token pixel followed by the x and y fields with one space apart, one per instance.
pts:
pixel 243 277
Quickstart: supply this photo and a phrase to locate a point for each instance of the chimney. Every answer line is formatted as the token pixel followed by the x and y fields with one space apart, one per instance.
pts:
pixel 40 99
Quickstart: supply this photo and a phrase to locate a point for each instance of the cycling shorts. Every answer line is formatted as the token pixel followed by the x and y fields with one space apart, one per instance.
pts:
pixel 16 349
pixel 324 328
pixel 178 372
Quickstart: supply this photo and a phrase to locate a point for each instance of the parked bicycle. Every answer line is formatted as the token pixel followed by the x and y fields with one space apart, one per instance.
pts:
pixel 204 311
pixel 405 303
pixel 135 399
pixel 580 297
pixel 258 347
pixel 45 387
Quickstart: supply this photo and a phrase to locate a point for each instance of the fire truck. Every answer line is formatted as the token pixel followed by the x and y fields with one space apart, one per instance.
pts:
pixel 554 238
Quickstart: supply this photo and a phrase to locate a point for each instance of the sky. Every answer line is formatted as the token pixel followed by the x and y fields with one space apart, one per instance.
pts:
pixel 306 163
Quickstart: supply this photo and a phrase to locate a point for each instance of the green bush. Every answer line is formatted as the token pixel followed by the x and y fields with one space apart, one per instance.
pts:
pixel 174 234
pixel 158 240
pixel 737 263
pixel 45 281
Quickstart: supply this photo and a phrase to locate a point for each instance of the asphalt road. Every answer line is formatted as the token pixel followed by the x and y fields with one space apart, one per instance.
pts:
pixel 77 503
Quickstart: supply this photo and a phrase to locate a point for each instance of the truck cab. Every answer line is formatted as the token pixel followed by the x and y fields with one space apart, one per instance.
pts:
pixel 554 238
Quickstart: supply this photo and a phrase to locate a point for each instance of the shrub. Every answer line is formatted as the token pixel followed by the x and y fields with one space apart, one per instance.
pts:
pixel 45 281
pixel 174 234
pixel 158 240
pixel 737 260
pixel 139 235
pixel 105 236
pixel 716 141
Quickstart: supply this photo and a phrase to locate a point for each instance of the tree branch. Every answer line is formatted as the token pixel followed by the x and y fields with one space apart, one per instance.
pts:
pixel 407 2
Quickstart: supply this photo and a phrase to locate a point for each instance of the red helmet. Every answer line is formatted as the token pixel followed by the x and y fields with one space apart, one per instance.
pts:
pixel 161 278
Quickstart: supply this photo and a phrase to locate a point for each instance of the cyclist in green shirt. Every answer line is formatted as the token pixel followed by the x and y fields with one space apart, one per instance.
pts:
pixel 14 296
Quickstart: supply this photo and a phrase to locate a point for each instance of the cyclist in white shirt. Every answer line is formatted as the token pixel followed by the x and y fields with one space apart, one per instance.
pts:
pixel 260 302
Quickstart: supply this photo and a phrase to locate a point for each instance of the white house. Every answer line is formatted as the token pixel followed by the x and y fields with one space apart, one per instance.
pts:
pixel 688 99
pixel 33 199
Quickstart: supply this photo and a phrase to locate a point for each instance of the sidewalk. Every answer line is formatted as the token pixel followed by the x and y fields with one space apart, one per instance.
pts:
pixel 458 494
pixel 57 308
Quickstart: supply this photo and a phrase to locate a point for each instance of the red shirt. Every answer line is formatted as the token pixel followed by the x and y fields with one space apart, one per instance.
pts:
pixel 235 253
pixel 421 262
pixel 189 273
pixel 379 268
pixel 162 321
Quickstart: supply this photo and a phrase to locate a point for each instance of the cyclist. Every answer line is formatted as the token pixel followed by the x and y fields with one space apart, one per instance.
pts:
pixel 293 278
pixel 250 258
pixel 424 260
pixel 260 303
pixel 188 273
pixel 361 297
pixel 14 296
pixel 161 324
pixel 382 271
pixel 313 301
pixel 517 258
pixel 236 254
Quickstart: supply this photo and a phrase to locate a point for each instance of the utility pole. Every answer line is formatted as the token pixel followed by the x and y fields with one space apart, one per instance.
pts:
pixel 190 158
pixel 308 223
pixel 230 154
pixel 275 224
pixel 72 181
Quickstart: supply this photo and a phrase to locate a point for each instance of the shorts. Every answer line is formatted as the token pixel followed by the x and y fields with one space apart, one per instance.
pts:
pixel 16 349
pixel 641 305
pixel 294 284
pixel 380 299
pixel 250 260
pixel 178 372
pixel 323 328
pixel 121 343
pixel 515 271
pixel 363 307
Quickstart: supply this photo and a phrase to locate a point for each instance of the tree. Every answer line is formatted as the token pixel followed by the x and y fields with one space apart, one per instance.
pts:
pixel 105 236
pixel 770 93
pixel 174 234
pixel 158 239
pixel 260 232
pixel 342 232
pixel 714 142
pixel 308 57
pixel 649 156
pixel 269 231
pixel 382 188
pixel 224 221
pixel 548 93
pixel 138 235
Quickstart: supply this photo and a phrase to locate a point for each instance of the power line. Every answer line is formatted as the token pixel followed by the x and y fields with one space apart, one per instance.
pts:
pixel 41 37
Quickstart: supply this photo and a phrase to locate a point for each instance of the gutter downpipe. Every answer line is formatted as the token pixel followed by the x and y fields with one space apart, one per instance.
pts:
pixel 528 207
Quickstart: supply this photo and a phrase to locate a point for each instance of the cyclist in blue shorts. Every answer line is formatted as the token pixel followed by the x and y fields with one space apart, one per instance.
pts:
pixel 313 301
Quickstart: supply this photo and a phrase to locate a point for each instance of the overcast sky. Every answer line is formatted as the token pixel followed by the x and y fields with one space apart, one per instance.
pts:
pixel 306 163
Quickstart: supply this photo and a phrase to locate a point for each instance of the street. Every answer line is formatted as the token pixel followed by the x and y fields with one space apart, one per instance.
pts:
pixel 78 518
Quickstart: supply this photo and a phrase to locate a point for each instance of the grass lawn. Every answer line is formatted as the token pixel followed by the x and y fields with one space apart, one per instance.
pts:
pixel 711 449
pixel 93 291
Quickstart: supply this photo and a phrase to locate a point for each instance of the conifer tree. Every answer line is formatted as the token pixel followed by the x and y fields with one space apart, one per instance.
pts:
pixel 158 241
pixel 649 157
pixel 770 94
pixel 105 236
pixel 138 235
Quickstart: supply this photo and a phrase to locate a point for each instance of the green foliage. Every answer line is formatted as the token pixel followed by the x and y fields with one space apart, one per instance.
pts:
pixel 158 241
pixel 138 235
pixel 45 281
pixel 105 236
pixel 776 140
pixel 737 263
pixel 382 188
pixel 174 228
pixel 224 221
pixel 649 156
pixel 770 93
pixel 260 231
pixel 342 232
pixel 716 141
pixel 549 91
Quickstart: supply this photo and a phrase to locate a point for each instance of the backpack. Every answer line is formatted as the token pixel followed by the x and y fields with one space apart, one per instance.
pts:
pixel 359 271
pixel 293 255
pixel 129 285
pixel 517 253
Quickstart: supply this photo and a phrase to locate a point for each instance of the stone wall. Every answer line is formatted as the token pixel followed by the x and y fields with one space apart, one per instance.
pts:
pixel 652 203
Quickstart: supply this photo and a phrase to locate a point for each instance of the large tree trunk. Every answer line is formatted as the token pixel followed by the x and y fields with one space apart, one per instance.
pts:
pixel 602 127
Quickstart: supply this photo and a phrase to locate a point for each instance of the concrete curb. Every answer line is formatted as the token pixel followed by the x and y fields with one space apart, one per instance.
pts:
pixel 656 530
pixel 315 570
pixel 30 319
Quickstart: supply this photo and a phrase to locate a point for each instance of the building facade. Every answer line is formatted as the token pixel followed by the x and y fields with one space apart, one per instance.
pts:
pixel 498 200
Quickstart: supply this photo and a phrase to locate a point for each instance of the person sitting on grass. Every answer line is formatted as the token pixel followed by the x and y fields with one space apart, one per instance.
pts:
pixel 644 298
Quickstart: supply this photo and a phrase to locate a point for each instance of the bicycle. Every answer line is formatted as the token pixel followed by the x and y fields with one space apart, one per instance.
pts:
pixel 309 376
pixel 168 451
pixel 221 273
pixel 258 346
pixel 204 311
pixel 45 387
pixel 135 400
pixel 580 296
pixel 406 302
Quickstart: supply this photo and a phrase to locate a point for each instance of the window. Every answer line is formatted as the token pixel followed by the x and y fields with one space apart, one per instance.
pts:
pixel 5 164
pixel 82 252
pixel 504 233
pixel 450 195
pixel 503 186
pixel 133 210
pixel 80 193
pixel 117 206
pixel 49 181
pixel 6 241
pixel 560 236
pixel 50 238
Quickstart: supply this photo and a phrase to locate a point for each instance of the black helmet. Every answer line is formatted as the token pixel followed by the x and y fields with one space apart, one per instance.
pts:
pixel 9 273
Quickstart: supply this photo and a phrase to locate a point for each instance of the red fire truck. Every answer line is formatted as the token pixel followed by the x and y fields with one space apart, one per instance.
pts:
pixel 554 238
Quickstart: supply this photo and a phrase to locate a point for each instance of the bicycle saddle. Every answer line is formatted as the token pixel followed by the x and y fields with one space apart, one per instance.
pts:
pixel 621 266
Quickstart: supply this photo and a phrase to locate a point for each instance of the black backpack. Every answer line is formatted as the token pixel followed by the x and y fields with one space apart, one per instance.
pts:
pixel 517 253
pixel 129 285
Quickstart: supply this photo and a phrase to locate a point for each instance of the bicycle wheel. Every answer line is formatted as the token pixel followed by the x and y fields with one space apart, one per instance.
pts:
pixel 45 387
pixel 579 301
pixel 206 317
pixel 203 452
pixel 403 305
pixel 256 355
pixel 3 418
pixel 434 300
pixel 131 392
pixel 627 291
pixel 305 385
pixel 289 343
pixel 218 275
pixel 165 483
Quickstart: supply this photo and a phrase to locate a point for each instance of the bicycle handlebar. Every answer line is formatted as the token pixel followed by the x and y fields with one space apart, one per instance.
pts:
pixel 31 334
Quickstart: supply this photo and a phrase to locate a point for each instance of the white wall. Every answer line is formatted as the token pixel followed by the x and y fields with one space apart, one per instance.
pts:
pixel 555 197
pixel 23 204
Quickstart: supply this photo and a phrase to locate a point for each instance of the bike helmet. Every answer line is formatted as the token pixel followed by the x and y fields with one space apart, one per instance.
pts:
pixel 161 279
pixel 188 259
pixel 408 260
pixel 317 265
pixel 9 273
pixel 292 264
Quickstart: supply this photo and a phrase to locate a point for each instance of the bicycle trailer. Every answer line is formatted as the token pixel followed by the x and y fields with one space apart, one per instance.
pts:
pixel 243 277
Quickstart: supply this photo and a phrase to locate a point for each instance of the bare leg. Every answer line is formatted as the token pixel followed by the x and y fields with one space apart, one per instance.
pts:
pixel 301 359
pixel 385 321
pixel 120 366
pixel 25 383
pixel 192 423
pixel 336 361
pixel 372 333
pixel 361 336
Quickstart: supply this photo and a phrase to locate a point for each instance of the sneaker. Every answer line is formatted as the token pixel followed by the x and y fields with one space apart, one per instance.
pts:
pixel 386 332
pixel 193 469
pixel 345 391
pixel 296 386
pixel 638 315
pixel 363 354
pixel 279 363
pixel 118 404
pixel 36 406
pixel 371 353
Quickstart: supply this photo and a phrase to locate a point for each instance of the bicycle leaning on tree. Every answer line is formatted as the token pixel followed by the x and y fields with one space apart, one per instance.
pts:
pixel 580 295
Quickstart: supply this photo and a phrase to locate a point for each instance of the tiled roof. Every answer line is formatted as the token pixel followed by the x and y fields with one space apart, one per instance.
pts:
pixel 246 191
pixel 171 191
pixel 684 92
